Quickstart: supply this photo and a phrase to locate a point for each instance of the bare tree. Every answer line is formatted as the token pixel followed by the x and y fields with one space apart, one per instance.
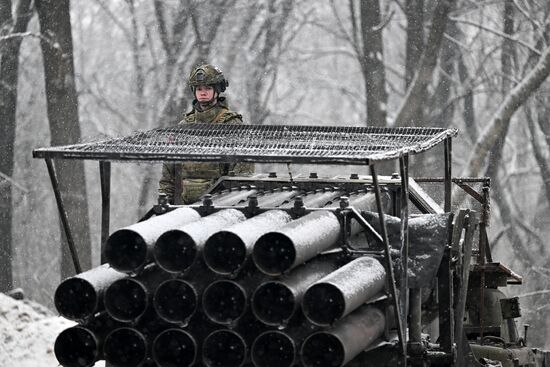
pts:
pixel 372 62
pixel 9 69
pixel 62 105
pixel 408 113
pixel 266 46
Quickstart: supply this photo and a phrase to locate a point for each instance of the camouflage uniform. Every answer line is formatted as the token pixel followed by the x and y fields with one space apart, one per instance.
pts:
pixel 198 177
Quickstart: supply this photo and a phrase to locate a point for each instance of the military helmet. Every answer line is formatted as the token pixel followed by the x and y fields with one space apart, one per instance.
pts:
pixel 207 74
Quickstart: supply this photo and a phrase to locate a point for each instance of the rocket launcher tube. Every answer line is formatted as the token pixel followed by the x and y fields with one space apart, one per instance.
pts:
pixel 177 249
pixel 127 299
pixel 224 348
pixel 226 251
pixel 349 337
pixel 176 300
pixel 224 301
pixel 276 301
pixel 174 347
pixel 77 346
pixel 80 297
pixel 296 242
pixel 125 347
pixel 343 290
pixel 129 249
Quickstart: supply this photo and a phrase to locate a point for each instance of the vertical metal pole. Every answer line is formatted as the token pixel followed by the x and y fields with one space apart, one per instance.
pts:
pixel 404 232
pixel 63 215
pixel 178 185
pixel 448 174
pixel 445 295
pixel 105 180
pixel 387 254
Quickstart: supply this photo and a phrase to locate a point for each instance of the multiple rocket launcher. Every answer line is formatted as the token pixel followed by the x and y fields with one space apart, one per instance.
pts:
pixel 182 289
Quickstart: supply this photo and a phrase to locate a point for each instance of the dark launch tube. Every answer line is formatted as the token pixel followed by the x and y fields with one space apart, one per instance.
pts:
pixel 276 301
pixel 80 297
pixel 77 346
pixel 176 250
pixel 174 347
pixel 296 242
pixel 224 348
pixel 125 347
pixel 302 239
pixel 176 300
pixel 226 251
pixel 275 348
pixel 349 337
pixel 343 290
pixel 224 301
pixel 130 249
pixel 127 299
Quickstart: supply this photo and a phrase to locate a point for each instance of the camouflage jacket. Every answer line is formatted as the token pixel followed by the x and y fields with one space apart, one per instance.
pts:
pixel 198 177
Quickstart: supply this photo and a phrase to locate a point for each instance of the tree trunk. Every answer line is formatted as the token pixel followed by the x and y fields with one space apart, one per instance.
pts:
pixel 62 105
pixel 372 64
pixel 416 94
pixel 9 67
pixel 415 38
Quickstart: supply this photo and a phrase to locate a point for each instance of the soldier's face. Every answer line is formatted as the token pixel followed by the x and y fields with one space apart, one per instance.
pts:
pixel 204 93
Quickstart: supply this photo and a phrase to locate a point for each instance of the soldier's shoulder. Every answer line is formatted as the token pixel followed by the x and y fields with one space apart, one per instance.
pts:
pixel 231 117
pixel 189 117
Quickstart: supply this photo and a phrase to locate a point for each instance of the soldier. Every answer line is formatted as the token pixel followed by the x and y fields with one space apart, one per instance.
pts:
pixel 207 82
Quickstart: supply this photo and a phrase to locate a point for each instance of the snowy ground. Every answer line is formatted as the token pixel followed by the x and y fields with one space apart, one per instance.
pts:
pixel 27 334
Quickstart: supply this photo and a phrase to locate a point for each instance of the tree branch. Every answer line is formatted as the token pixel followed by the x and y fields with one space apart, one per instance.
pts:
pixel 515 98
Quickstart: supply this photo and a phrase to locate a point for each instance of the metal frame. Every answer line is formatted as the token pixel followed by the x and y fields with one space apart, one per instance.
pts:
pixel 399 303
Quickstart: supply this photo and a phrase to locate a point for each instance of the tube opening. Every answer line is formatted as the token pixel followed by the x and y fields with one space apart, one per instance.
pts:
pixel 273 303
pixel 274 253
pixel 126 300
pixel 175 300
pixel 126 251
pixel 224 252
pixel 224 301
pixel 175 251
pixel 76 299
pixel 323 304
pixel 273 349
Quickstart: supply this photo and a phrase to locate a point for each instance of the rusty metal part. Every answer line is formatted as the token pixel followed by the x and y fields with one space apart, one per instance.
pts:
pixel 343 290
pixel 80 297
pixel 226 251
pixel 125 347
pixel 77 346
pixel 131 248
pixel 176 300
pixel 174 347
pixel 275 302
pixel 177 249
pixel 349 337
pixel 224 348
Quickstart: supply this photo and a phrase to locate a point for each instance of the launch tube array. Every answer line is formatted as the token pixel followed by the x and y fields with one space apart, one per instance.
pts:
pixel 226 290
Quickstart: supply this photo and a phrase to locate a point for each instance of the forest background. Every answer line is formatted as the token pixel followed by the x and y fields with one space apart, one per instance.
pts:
pixel 82 70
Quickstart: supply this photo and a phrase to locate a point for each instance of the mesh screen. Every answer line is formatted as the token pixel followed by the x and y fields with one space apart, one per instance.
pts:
pixel 257 143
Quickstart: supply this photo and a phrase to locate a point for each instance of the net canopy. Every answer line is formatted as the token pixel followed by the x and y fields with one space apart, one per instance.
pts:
pixel 258 144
